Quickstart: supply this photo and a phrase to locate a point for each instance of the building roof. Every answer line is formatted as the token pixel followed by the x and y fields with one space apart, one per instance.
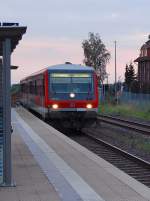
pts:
pixel 145 58
pixel 146 45
pixel 14 33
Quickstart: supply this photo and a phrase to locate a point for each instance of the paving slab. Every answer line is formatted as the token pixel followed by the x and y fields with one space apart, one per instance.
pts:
pixel 31 184
pixel 107 181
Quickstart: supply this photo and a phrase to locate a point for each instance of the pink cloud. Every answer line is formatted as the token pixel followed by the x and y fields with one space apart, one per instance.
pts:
pixel 123 57
pixel 33 55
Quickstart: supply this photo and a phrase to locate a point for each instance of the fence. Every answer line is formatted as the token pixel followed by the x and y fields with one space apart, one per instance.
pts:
pixel 139 99
pixel 142 100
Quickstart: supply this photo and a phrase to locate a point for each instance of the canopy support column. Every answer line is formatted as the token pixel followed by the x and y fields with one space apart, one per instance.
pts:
pixel 7 175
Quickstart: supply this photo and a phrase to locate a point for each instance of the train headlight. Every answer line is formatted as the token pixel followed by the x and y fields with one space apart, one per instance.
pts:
pixel 55 106
pixel 72 95
pixel 89 106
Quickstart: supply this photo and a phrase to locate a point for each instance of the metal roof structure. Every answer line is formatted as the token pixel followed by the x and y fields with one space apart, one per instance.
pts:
pixel 10 34
pixel 14 33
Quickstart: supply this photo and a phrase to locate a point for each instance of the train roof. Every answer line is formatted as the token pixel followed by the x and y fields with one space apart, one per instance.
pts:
pixel 59 67
pixel 72 67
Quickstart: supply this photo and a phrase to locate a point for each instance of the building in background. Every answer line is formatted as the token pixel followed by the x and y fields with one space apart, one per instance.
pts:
pixel 144 65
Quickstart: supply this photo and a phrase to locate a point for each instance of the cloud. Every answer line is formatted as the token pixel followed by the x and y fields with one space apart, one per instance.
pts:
pixel 33 55
pixel 123 57
pixel 57 28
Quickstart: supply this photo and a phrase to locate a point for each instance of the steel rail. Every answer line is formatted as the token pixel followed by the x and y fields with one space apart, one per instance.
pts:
pixel 130 164
pixel 139 127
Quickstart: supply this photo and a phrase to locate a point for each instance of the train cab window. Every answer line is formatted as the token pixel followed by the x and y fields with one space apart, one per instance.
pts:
pixel 80 83
pixel 65 83
pixel 60 84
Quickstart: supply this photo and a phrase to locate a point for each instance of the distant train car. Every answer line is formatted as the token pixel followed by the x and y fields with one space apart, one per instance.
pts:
pixel 67 93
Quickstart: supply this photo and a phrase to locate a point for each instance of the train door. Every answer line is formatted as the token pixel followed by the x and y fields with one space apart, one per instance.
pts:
pixel 41 95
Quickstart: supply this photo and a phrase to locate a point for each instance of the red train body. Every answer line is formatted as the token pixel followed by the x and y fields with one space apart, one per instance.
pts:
pixel 67 93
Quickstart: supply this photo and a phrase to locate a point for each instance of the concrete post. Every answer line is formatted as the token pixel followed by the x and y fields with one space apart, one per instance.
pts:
pixel 7 177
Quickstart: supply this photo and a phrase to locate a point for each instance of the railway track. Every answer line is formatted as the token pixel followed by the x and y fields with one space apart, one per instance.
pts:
pixel 133 166
pixel 139 127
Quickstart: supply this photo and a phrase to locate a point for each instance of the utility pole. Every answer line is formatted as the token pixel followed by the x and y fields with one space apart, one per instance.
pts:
pixel 115 73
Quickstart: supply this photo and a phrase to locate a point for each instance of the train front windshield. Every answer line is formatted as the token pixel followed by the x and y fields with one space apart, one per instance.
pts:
pixel 63 84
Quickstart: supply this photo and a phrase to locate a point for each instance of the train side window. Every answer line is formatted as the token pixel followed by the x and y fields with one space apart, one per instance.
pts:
pixel 26 88
pixel 39 87
pixel 22 88
pixel 43 88
pixel 33 87
pixel 35 91
pixel 30 87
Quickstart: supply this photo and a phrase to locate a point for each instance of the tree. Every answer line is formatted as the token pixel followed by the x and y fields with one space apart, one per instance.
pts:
pixel 96 54
pixel 130 75
pixel 135 87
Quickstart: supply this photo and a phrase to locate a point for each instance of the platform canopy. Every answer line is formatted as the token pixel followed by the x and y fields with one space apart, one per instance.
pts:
pixel 14 33
pixel 10 34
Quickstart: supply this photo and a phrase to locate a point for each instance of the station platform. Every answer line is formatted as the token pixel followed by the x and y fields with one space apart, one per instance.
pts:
pixel 48 166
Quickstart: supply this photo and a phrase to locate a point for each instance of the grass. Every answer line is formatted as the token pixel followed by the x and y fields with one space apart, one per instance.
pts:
pixel 145 146
pixel 138 143
pixel 126 110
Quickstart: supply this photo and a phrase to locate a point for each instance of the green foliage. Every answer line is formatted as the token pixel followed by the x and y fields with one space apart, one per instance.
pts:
pixel 130 76
pixel 126 110
pixel 135 87
pixel 144 145
pixel 15 88
pixel 133 141
pixel 96 54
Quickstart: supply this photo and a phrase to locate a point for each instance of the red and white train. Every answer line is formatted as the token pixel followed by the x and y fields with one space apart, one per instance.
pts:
pixel 67 93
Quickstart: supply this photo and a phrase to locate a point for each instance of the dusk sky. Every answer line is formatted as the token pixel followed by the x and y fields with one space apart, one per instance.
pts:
pixel 56 29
